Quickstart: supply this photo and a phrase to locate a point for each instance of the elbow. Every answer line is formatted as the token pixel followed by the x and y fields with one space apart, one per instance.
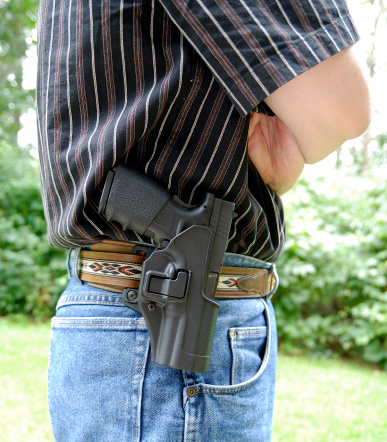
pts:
pixel 356 105
pixel 350 121
pixel 350 99
pixel 361 125
pixel 358 115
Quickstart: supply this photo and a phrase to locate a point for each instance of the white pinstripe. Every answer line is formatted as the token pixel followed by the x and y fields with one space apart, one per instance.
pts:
pixel 238 221
pixel 195 122
pixel 125 82
pixel 70 210
pixel 321 23
pixel 171 106
pixel 296 32
pixel 236 176
pixel 342 18
pixel 230 42
pixel 154 70
pixel 46 138
pixel 94 131
pixel 212 155
pixel 286 63
pixel 217 76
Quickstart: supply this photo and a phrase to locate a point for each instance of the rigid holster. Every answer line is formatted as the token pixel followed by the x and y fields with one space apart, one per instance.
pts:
pixel 174 282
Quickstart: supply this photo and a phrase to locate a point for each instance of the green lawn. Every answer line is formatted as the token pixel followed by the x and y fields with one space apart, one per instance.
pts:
pixel 23 363
pixel 317 400
pixel 325 400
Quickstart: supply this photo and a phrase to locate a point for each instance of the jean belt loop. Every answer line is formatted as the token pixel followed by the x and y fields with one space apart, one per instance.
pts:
pixel 74 266
pixel 273 271
pixel 68 261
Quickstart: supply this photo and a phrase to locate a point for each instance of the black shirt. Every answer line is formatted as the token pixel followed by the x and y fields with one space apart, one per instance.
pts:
pixel 166 87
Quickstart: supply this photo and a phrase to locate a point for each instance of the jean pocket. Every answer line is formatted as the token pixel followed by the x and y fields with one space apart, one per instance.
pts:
pixel 96 375
pixel 247 347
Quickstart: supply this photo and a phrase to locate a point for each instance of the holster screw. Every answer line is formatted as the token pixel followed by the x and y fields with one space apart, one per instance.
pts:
pixel 132 295
pixel 129 295
pixel 151 306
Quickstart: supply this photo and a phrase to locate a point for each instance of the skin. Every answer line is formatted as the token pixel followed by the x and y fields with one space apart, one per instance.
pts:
pixel 315 113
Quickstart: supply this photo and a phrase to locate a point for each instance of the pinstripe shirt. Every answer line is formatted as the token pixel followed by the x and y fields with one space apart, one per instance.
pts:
pixel 166 87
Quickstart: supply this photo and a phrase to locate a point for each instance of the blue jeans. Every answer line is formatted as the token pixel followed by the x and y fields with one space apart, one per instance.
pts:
pixel 104 387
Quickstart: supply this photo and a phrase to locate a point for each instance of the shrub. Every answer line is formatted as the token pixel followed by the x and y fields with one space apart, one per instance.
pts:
pixel 333 291
pixel 32 273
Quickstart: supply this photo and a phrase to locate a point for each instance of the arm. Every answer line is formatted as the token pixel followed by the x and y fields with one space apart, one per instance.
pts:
pixel 315 113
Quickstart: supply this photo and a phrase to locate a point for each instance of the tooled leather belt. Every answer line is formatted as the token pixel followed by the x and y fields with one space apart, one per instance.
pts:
pixel 113 265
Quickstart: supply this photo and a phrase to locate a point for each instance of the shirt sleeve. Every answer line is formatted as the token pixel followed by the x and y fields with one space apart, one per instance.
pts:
pixel 253 47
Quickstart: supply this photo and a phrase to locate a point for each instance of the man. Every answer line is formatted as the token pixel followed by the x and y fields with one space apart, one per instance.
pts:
pixel 229 97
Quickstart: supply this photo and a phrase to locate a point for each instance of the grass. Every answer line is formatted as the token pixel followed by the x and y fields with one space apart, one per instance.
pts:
pixel 324 400
pixel 23 363
pixel 317 399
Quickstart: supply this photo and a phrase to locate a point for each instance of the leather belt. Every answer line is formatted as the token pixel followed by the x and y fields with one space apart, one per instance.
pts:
pixel 116 265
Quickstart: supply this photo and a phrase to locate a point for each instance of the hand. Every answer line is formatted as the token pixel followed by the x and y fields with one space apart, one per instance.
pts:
pixel 275 153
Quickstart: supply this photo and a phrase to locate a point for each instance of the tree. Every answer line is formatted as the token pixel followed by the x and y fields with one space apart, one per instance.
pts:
pixel 18 20
pixel 31 272
pixel 365 155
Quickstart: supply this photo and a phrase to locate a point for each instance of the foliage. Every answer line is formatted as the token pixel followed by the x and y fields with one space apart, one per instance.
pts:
pixel 333 292
pixel 31 272
pixel 18 19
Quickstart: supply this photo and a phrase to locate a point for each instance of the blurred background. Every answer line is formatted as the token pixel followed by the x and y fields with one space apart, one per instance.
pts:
pixel 332 302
